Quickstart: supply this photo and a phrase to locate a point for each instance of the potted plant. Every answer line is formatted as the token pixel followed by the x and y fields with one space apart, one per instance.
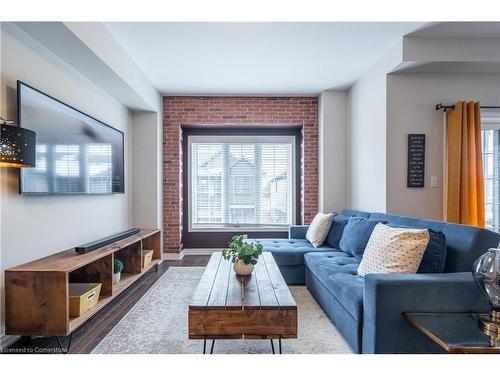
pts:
pixel 243 254
pixel 117 271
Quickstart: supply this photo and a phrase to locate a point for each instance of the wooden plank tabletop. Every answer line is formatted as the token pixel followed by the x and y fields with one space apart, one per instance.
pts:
pixel 69 260
pixel 221 289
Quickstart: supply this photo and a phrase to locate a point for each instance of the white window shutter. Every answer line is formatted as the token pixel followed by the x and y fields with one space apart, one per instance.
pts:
pixel 241 182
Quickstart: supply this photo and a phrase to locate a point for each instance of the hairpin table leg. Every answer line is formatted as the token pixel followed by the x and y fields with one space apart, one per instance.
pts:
pixel 212 347
pixel 68 346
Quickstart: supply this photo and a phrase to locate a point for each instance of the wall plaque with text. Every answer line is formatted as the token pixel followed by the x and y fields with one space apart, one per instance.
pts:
pixel 416 161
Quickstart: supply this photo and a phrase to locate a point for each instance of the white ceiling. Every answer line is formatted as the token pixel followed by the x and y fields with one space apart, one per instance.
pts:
pixel 256 58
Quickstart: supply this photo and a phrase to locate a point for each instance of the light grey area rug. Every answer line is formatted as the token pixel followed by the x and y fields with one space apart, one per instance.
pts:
pixel 158 324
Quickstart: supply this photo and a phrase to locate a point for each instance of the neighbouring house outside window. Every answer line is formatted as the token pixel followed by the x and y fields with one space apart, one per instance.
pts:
pixel 241 182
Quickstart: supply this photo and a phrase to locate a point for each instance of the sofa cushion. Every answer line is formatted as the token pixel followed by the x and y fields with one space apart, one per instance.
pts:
pixel 434 258
pixel 336 230
pixel 349 212
pixel 349 290
pixel 356 234
pixel 325 263
pixel 289 252
pixel 338 273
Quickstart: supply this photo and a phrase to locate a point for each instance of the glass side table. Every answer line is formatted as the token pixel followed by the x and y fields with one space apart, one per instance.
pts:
pixel 457 333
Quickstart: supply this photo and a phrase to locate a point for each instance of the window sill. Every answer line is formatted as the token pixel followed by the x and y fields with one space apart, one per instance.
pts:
pixel 239 229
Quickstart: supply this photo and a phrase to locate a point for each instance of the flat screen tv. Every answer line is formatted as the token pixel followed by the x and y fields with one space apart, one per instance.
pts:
pixel 75 153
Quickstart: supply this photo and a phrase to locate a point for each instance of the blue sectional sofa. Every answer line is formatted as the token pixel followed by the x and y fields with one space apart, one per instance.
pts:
pixel 369 311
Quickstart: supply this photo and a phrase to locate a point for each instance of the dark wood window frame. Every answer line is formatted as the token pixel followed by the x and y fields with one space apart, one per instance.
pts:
pixel 219 239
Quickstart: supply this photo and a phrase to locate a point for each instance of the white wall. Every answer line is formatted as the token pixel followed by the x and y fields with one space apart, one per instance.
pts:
pixel 411 101
pixel 33 227
pixel 367 135
pixel 333 149
pixel 146 212
pixel 90 49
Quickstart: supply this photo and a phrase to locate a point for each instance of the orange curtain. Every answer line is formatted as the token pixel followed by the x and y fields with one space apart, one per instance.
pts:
pixel 465 183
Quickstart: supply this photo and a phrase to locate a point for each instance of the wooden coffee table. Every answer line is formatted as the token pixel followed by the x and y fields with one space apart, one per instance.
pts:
pixel 228 306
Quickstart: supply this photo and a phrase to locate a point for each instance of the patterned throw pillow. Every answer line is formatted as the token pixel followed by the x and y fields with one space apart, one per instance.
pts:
pixel 393 250
pixel 434 257
pixel 318 230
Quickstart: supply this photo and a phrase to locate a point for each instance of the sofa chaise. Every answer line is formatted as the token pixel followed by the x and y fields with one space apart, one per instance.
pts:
pixel 369 311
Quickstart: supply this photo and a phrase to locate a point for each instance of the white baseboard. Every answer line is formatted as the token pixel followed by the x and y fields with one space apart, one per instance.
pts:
pixel 172 256
pixel 184 252
pixel 199 251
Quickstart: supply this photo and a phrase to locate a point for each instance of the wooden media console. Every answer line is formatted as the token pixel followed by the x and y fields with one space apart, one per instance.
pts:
pixel 36 293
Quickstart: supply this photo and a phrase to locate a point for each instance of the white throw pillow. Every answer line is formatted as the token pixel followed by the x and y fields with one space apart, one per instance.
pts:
pixel 319 228
pixel 393 250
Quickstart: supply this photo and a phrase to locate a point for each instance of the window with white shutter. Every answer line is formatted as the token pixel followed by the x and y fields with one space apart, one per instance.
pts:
pixel 240 182
pixel 490 122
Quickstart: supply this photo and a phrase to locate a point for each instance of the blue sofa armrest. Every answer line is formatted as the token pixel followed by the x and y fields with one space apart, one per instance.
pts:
pixel 388 296
pixel 297 232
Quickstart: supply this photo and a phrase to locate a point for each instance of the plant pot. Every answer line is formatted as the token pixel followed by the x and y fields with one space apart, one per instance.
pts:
pixel 116 277
pixel 241 268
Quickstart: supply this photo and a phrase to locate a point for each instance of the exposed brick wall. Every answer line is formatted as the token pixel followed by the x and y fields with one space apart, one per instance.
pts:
pixel 233 111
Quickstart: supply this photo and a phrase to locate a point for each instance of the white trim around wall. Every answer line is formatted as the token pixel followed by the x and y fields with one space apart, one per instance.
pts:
pixel 184 252
pixel 172 256
pixel 200 251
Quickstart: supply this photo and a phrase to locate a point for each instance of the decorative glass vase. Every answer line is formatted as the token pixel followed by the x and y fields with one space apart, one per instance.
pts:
pixel 486 271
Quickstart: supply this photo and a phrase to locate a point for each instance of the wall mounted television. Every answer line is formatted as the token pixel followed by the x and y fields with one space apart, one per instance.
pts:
pixel 75 153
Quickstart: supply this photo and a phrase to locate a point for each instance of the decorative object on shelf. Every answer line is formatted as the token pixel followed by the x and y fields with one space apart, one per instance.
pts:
pixel 17 145
pixel 147 256
pixel 416 161
pixel 486 271
pixel 82 297
pixel 117 271
pixel 244 255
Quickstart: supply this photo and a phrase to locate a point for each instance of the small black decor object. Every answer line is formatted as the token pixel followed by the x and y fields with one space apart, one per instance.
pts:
pixel 17 146
pixel 416 161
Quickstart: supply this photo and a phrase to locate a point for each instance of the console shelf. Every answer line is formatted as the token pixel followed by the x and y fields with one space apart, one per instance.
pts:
pixel 37 293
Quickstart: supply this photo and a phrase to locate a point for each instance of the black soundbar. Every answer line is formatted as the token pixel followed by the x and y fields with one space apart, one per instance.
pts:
pixel 82 249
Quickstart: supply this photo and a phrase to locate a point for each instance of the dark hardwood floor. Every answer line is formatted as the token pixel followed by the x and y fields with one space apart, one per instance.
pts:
pixel 86 338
